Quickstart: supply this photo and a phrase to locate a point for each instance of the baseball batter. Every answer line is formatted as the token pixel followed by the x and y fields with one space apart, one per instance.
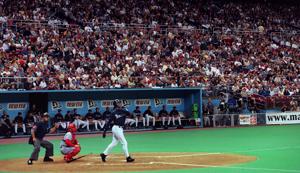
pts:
pixel 69 146
pixel 118 117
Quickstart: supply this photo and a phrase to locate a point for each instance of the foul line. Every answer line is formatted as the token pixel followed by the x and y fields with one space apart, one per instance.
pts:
pixel 196 165
pixel 266 149
pixel 231 167
pixel 175 156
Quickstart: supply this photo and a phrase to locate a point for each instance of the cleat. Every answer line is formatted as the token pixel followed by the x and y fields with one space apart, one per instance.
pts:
pixel 29 162
pixel 103 157
pixel 67 159
pixel 129 159
pixel 48 159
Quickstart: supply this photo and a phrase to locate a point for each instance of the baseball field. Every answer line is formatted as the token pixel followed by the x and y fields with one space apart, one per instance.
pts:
pixel 268 149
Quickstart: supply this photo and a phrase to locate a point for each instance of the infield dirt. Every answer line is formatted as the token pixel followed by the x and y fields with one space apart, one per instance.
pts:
pixel 116 162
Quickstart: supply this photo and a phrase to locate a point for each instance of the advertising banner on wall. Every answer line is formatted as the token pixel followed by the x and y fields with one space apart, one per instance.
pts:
pixel 83 106
pixel 107 103
pixel 13 108
pixel 142 102
pixel 283 118
pixel 248 119
pixel 17 106
pixel 74 104
pixel 174 101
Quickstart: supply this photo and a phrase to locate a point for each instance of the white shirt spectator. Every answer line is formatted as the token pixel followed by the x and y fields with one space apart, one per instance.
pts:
pixel 43 84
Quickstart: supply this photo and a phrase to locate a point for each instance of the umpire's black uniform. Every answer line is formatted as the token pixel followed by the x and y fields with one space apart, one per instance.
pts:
pixel 40 130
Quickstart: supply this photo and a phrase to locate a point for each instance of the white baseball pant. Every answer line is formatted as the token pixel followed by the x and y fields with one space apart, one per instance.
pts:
pixel 118 136
pixel 137 121
pixel 88 124
pixel 148 117
pixel 23 127
pixel 129 121
pixel 79 122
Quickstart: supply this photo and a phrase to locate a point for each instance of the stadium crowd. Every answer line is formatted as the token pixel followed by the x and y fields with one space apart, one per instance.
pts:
pixel 244 47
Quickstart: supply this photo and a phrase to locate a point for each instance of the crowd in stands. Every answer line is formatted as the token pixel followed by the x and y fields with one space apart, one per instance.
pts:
pixel 249 49
pixel 235 104
pixel 245 47
pixel 91 121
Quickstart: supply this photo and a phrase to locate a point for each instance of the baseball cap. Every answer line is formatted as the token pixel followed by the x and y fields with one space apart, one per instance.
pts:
pixel 45 114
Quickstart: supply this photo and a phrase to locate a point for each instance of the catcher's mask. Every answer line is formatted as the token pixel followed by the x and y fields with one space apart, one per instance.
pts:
pixel 72 128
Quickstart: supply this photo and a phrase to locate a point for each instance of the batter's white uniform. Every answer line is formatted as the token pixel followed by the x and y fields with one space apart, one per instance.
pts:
pixel 118 136
pixel 119 118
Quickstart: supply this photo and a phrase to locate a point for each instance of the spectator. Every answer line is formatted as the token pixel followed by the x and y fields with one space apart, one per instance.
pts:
pixel 19 123
pixel 210 107
pixel 294 105
pixel 284 108
pixel 223 107
pixel 232 105
pixel 240 104
pixel 206 118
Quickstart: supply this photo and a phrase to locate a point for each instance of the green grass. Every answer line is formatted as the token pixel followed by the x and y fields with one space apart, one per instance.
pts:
pixel 276 147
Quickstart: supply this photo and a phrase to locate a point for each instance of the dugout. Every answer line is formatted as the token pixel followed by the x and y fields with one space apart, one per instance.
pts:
pixel 82 100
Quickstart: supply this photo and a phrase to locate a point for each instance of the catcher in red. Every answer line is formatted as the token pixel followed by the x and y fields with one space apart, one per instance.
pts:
pixel 69 146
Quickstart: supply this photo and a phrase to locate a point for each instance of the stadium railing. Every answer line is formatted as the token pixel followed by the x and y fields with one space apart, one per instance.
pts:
pixel 252 119
pixel 15 23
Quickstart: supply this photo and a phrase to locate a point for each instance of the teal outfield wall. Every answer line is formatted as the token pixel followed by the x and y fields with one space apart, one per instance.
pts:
pixel 82 100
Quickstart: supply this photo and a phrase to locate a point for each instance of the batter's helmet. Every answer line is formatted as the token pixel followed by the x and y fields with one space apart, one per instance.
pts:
pixel 72 128
pixel 117 103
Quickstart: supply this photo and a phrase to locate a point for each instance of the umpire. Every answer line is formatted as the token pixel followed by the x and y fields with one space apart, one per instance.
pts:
pixel 38 133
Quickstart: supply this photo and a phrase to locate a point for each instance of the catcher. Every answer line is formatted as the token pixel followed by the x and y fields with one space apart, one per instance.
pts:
pixel 69 146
